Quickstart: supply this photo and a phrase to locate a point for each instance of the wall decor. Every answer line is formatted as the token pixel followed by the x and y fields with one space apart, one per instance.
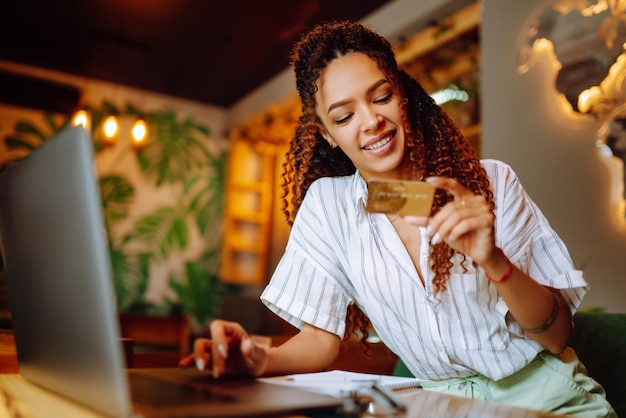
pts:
pixel 180 161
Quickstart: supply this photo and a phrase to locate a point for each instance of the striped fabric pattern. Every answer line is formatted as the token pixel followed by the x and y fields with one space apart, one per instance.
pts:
pixel 338 254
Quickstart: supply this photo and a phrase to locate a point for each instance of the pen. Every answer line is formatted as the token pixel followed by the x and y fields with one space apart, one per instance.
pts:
pixel 388 397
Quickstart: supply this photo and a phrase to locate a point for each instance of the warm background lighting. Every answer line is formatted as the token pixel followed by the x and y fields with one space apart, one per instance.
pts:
pixel 110 129
pixel 82 118
pixel 139 133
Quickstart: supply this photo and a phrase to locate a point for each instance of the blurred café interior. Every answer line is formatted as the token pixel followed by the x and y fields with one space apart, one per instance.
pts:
pixel 191 105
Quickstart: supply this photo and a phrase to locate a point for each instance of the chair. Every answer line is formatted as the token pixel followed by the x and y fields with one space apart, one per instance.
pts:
pixel 159 341
pixel 600 342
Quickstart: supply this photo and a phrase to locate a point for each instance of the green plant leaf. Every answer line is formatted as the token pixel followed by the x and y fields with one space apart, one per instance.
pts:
pixel 28 128
pixel 178 234
pixel 162 230
pixel 16 143
pixel 206 203
pixel 175 150
pixel 55 126
pixel 117 195
pixel 131 274
pixel 199 291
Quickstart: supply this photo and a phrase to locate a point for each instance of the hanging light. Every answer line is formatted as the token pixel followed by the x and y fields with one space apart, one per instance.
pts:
pixel 139 133
pixel 82 118
pixel 110 129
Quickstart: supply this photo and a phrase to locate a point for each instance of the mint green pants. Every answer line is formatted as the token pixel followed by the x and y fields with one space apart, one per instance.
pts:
pixel 552 383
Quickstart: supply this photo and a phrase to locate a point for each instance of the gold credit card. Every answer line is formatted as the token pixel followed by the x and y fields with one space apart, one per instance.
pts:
pixel 400 197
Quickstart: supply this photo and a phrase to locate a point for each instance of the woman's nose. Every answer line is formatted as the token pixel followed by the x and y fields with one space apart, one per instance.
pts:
pixel 371 120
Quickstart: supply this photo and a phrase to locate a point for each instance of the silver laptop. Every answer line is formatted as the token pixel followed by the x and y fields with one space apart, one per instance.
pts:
pixel 64 311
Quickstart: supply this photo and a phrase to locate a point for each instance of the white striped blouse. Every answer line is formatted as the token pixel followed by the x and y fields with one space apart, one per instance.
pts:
pixel 338 254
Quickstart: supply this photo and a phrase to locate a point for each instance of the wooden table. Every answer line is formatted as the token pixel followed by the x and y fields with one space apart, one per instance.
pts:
pixel 19 398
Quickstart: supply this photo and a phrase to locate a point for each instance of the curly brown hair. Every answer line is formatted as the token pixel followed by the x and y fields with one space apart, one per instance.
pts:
pixel 435 146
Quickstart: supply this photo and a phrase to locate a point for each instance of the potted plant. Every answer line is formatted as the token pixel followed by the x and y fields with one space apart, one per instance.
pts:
pixel 199 291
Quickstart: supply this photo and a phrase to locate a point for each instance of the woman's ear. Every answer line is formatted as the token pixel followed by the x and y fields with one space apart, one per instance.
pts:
pixel 326 136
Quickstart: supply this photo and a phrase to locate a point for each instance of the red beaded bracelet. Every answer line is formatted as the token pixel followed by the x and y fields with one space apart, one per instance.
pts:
pixel 505 275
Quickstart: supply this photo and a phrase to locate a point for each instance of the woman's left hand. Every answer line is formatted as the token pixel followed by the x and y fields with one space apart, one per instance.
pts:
pixel 466 224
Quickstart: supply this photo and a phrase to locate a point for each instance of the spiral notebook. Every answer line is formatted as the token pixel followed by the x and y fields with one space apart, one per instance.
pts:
pixel 340 383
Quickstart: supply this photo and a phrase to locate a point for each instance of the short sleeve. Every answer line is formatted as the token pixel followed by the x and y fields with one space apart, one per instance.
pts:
pixel 525 235
pixel 305 286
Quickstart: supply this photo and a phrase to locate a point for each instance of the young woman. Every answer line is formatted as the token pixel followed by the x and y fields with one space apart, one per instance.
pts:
pixel 476 299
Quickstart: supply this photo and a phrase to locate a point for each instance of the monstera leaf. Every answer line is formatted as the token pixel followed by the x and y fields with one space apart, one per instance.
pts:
pixel 130 278
pixel 27 137
pixel 163 230
pixel 206 193
pixel 176 150
pixel 117 195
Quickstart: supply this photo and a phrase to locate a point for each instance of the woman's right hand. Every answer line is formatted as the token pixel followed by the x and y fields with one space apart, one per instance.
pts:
pixel 230 350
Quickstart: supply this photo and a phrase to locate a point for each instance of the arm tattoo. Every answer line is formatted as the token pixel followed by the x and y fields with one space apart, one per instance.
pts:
pixel 549 320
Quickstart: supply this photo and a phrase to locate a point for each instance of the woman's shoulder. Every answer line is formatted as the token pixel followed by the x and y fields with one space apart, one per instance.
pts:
pixel 336 192
pixel 498 171
pixel 326 181
pixel 325 185
pixel 491 164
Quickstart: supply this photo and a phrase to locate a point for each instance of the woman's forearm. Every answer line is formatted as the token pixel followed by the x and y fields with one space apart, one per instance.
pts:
pixel 311 350
pixel 540 311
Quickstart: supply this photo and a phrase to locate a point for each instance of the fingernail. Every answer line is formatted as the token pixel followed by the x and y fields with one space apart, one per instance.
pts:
pixel 428 230
pixel 436 239
pixel 200 364
pixel 247 344
pixel 431 179
pixel 222 350
pixel 216 372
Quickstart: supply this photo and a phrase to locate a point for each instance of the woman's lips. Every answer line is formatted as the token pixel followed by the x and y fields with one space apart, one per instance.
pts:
pixel 379 142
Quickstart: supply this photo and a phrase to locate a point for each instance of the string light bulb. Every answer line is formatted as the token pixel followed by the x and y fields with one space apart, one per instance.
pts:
pixel 82 118
pixel 110 129
pixel 139 133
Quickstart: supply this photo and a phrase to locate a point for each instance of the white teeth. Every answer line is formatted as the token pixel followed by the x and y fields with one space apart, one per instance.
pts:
pixel 378 144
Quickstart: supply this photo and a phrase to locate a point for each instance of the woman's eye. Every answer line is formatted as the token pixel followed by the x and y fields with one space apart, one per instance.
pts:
pixel 384 99
pixel 343 120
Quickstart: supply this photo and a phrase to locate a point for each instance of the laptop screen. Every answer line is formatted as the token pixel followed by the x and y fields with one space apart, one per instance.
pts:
pixel 58 273
pixel 63 305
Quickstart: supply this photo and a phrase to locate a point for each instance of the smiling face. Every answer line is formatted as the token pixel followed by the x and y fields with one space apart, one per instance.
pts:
pixel 360 113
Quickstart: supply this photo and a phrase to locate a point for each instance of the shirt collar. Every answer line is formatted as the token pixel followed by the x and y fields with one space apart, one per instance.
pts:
pixel 359 187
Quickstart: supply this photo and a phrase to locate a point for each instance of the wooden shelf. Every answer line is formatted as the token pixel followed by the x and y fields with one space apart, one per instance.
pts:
pixel 248 216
